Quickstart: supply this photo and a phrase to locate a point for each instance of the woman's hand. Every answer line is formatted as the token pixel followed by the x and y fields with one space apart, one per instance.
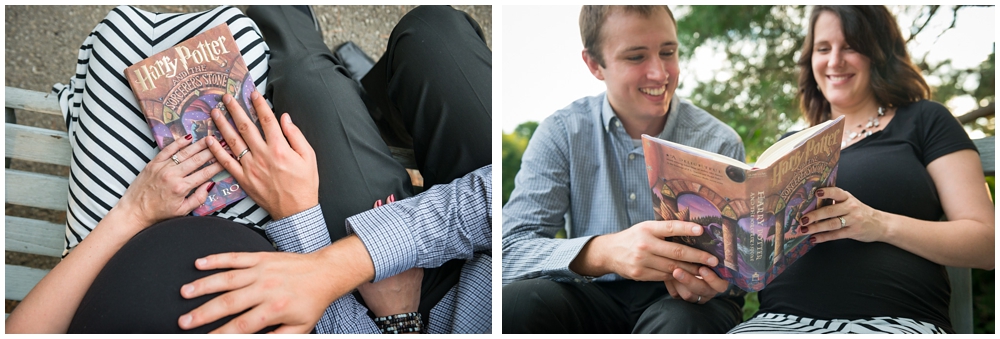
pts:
pixel 162 190
pixel 280 173
pixel 848 217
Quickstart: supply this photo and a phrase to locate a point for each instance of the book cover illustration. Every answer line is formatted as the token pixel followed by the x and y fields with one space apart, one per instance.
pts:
pixel 177 89
pixel 750 215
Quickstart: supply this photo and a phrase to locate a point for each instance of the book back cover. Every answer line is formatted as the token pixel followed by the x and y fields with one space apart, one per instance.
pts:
pixel 690 187
pixel 178 88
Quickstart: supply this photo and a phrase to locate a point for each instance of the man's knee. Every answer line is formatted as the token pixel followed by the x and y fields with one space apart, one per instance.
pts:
pixel 530 305
pixel 679 316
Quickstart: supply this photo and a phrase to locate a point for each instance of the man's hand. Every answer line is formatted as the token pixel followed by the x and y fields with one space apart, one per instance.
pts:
pixel 288 289
pixel 641 253
pixel 394 295
pixel 696 289
pixel 278 173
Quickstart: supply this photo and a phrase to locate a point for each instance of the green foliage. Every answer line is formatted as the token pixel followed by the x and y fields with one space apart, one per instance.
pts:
pixel 512 146
pixel 750 305
pixel 755 90
pixel 983 301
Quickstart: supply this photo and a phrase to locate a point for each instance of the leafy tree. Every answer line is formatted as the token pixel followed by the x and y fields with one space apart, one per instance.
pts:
pixel 513 146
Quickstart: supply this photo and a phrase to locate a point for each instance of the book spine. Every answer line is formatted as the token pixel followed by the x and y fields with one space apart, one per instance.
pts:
pixel 757 225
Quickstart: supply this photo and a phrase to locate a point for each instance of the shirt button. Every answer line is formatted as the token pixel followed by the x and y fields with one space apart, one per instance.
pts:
pixel 576 280
pixel 618 123
pixel 631 196
pixel 631 157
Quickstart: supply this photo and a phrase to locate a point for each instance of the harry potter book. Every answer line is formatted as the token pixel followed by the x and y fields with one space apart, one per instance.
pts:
pixel 178 88
pixel 750 214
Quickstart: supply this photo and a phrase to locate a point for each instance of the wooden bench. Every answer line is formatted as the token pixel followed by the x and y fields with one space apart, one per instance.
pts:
pixel 40 237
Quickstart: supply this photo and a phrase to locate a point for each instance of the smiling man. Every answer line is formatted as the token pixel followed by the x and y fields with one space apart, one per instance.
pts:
pixel 585 164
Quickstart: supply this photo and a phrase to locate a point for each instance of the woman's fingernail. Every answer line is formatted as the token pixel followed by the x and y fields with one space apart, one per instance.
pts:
pixel 805 229
pixel 185 320
pixel 210 186
pixel 187 137
pixel 819 193
pixel 805 220
pixel 187 289
pixel 201 262
pixel 812 240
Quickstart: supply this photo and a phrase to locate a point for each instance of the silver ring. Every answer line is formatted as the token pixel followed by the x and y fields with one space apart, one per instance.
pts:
pixel 245 150
pixel 174 158
pixel 699 299
pixel 843 223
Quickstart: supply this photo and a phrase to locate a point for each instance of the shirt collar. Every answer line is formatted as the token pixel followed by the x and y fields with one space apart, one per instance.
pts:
pixel 608 116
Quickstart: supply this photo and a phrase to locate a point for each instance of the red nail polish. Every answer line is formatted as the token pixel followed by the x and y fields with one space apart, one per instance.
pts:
pixel 805 220
pixel 812 240
pixel 819 193
pixel 805 229
pixel 188 137
pixel 210 186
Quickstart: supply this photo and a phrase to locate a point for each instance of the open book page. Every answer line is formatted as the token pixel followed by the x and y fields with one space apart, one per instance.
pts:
pixel 695 151
pixel 783 146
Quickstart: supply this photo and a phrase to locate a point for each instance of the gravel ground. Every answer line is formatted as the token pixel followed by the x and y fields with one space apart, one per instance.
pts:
pixel 41 44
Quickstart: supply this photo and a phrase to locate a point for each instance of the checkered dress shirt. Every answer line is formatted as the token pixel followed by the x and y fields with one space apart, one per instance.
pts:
pixel 581 161
pixel 448 221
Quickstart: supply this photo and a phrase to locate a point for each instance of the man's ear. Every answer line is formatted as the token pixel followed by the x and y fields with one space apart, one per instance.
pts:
pixel 593 65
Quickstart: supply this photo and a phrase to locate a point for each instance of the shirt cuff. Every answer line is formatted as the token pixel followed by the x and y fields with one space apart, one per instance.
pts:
pixel 302 232
pixel 393 249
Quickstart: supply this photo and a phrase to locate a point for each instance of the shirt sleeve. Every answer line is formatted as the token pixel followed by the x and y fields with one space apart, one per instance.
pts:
pixel 306 232
pixel 536 211
pixel 448 221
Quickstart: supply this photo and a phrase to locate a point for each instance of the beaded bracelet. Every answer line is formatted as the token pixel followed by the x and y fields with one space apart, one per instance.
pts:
pixel 400 323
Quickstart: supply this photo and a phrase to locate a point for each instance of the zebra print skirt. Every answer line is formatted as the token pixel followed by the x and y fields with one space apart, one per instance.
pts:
pixel 783 323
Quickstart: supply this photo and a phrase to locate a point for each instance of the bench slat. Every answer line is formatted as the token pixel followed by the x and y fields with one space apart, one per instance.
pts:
pixel 37 144
pixel 19 280
pixel 987 153
pixel 36 190
pixel 31 101
pixel 33 236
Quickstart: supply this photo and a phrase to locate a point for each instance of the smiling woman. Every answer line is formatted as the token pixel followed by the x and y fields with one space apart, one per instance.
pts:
pixel 854 64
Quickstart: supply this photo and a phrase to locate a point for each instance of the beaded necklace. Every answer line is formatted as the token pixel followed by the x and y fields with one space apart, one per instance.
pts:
pixel 865 130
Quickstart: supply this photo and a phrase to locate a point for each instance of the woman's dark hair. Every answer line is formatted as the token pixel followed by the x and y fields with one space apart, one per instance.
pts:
pixel 873 32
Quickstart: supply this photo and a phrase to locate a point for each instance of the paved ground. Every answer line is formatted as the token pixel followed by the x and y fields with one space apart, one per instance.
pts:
pixel 41 44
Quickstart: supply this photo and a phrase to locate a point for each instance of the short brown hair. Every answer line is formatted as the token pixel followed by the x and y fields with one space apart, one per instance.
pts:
pixel 873 32
pixel 592 18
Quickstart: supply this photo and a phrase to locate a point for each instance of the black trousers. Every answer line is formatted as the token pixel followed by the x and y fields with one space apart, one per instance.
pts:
pixel 545 306
pixel 436 73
